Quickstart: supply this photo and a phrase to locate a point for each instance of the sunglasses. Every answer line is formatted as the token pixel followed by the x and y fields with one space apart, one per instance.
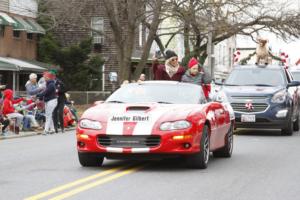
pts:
pixel 174 59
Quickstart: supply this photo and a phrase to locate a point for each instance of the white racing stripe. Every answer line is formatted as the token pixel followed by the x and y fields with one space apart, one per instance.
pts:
pixel 145 128
pixel 114 150
pixel 140 150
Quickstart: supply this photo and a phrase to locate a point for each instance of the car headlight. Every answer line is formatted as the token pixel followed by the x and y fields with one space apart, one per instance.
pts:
pixel 86 123
pixel 279 97
pixel 221 97
pixel 177 125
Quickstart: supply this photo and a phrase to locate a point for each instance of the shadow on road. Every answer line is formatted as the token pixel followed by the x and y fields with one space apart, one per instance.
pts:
pixel 258 132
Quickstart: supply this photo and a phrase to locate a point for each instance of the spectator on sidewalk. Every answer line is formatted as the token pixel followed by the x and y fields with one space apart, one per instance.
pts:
pixel 3 120
pixel 9 111
pixel 32 87
pixel 50 99
pixel 171 70
pixel 197 76
pixel 142 77
pixel 58 113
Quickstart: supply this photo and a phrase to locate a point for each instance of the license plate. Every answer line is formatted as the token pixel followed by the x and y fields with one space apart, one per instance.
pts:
pixel 248 118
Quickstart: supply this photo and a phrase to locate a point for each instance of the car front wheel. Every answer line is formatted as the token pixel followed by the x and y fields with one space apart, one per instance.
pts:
pixel 200 159
pixel 296 124
pixel 288 130
pixel 90 159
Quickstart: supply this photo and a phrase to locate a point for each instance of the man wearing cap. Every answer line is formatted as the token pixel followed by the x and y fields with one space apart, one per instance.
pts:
pixel 171 70
pixel 196 76
pixel 50 98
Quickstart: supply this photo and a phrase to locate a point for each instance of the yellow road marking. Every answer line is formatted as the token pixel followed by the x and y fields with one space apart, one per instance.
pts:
pixel 96 183
pixel 75 183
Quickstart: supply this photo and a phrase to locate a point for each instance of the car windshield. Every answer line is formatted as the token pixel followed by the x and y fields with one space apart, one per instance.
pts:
pixel 160 93
pixel 296 75
pixel 256 77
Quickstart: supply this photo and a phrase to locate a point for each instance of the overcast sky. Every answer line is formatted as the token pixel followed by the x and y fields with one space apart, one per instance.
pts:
pixel 291 47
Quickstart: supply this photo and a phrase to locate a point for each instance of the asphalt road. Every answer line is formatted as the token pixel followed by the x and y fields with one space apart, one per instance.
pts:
pixel 264 166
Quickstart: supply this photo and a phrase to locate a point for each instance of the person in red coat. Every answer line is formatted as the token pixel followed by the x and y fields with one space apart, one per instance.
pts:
pixel 8 109
pixel 171 70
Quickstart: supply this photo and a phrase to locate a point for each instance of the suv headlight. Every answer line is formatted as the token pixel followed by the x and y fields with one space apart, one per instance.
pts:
pixel 279 97
pixel 89 124
pixel 177 125
pixel 221 97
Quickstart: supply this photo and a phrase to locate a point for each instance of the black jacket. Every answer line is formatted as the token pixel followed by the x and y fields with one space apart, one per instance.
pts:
pixel 61 90
pixel 49 93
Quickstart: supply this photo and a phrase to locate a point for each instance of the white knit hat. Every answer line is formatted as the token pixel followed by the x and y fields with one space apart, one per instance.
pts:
pixel 32 76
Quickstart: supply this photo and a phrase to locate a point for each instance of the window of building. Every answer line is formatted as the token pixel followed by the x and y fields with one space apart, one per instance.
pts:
pixel 2 29
pixel 30 36
pixel 97 25
pixel 17 34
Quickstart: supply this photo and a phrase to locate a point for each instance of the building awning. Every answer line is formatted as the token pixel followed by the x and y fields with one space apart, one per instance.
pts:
pixel 22 25
pixel 37 28
pixel 4 66
pixel 6 20
pixel 12 64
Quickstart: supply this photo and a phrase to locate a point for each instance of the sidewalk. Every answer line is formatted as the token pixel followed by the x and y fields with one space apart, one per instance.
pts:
pixel 11 135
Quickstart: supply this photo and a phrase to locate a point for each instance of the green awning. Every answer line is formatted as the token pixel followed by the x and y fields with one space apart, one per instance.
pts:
pixel 6 20
pixel 22 25
pixel 5 66
pixel 13 64
pixel 37 28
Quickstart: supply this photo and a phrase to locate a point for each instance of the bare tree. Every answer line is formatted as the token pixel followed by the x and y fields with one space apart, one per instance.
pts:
pixel 229 18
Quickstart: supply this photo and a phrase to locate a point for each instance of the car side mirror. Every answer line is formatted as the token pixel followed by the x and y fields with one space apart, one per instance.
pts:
pixel 293 84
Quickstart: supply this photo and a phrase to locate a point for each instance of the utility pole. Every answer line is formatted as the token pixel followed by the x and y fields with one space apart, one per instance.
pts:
pixel 210 46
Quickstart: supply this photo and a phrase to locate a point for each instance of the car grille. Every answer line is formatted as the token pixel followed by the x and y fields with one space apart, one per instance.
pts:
pixel 131 141
pixel 257 107
pixel 250 97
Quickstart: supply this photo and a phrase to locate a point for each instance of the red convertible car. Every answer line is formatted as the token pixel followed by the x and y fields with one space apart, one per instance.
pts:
pixel 156 119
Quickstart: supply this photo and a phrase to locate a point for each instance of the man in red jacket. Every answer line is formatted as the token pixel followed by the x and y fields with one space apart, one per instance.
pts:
pixel 8 109
pixel 170 71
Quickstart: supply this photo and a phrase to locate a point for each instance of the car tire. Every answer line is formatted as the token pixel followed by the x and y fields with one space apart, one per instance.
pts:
pixel 296 124
pixel 226 151
pixel 90 159
pixel 288 130
pixel 200 159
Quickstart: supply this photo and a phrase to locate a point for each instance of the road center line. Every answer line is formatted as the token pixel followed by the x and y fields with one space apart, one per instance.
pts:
pixel 97 183
pixel 75 183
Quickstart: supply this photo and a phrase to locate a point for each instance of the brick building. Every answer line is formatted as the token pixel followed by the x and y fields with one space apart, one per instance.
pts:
pixel 19 34
pixel 94 14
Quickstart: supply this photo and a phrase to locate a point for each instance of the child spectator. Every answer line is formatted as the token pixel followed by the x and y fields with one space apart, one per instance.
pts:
pixel 8 109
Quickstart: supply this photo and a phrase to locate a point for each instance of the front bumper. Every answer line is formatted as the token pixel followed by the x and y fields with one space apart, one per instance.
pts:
pixel 272 118
pixel 88 141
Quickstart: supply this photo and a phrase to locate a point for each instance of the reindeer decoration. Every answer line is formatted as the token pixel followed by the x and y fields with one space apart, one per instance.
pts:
pixel 262 52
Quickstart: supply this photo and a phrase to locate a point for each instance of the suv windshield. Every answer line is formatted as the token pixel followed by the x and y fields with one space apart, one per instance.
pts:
pixel 160 93
pixel 256 77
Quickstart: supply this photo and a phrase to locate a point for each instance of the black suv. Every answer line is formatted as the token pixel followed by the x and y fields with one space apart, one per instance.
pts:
pixel 262 97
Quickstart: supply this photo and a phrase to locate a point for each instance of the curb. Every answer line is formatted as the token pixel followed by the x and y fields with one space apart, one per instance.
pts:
pixel 28 134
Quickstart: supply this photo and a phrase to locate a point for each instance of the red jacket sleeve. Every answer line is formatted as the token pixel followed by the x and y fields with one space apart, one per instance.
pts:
pixel 17 100
pixel 158 74
pixel 155 65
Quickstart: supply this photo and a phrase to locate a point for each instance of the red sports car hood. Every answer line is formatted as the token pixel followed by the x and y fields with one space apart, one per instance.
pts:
pixel 143 116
